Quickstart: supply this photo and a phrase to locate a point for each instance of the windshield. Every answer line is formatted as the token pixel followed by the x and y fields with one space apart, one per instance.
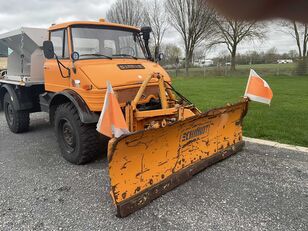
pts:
pixel 98 42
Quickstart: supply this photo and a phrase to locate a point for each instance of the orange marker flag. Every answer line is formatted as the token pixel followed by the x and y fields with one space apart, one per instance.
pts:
pixel 112 122
pixel 258 89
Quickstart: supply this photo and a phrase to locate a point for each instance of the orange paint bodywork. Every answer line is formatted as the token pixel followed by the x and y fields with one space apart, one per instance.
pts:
pixel 94 73
pixel 135 170
pixel 100 23
pixel 146 159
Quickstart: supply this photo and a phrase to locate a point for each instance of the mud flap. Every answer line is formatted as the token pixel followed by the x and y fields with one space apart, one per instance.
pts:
pixel 147 164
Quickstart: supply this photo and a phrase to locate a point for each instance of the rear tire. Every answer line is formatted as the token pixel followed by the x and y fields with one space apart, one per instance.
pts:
pixel 79 142
pixel 18 121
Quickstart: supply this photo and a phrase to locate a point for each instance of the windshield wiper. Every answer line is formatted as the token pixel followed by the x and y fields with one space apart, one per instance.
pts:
pixel 97 55
pixel 125 55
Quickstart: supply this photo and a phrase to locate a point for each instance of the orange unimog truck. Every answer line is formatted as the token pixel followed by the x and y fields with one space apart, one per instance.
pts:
pixel 63 71
pixel 70 84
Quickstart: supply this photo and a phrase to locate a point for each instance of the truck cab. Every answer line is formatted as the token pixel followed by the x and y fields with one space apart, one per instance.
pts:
pixel 63 71
pixel 94 52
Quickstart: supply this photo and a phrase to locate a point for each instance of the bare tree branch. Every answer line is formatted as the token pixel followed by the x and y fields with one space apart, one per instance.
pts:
pixel 194 20
pixel 299 31
pixel 128 12
pixel 157 19
pixel 233 32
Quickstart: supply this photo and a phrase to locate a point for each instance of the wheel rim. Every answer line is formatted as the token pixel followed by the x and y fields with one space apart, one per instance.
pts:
pixel 67 135
pixel 10 114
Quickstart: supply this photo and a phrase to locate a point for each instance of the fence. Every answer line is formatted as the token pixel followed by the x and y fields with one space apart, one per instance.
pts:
pixel 289 69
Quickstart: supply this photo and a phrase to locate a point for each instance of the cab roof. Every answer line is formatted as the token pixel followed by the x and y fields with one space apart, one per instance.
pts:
pixel 100 23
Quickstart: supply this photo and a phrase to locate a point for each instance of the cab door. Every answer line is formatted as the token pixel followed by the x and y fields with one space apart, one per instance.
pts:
pixel 54 80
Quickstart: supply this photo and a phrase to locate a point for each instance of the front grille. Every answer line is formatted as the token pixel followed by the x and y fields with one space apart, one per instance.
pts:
pixel 127 95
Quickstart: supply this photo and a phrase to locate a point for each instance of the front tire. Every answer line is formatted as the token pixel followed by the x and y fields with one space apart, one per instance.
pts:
pixel 79 142
pixel 18 121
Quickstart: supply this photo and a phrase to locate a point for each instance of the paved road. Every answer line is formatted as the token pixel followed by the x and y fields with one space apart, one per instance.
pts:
pixel 261 188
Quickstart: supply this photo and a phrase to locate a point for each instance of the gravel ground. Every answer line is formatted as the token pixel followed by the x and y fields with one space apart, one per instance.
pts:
pixel 261 188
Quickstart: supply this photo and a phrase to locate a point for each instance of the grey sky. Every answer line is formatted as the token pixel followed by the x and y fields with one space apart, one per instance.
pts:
pixel 42 13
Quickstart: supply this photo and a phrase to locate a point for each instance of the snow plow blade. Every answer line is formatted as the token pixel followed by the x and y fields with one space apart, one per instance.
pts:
pixel 147 164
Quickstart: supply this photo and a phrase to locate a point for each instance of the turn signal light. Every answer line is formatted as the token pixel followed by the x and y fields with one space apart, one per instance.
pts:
pixel 87 87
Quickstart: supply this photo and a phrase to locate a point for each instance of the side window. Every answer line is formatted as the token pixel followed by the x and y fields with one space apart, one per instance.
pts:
pixel 60 43
pixel 66 52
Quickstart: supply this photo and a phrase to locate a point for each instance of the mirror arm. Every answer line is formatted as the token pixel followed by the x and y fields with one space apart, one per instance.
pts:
pixel 61 64
pixel 146 43
pixel 74 68
pixel 145 32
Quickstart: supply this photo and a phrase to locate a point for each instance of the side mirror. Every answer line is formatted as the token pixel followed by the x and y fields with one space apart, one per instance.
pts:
pixel 146 31
pixel 49 51
pixel 160 56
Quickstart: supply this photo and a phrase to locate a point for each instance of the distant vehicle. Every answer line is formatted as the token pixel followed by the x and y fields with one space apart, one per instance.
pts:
pixel 228 64
pixel 170 66
pixel 204 63
pixel 284 61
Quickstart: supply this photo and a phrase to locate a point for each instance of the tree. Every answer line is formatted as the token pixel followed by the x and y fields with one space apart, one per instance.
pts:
pixel 128 12
pixel 172 53
pixel 198 53
pixel 233 32
pixel 299 31
pixel 156 18
pixel 193 19
pixel 293 54
pixel 271 55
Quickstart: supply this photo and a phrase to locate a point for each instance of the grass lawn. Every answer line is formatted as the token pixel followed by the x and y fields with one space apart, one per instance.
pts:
pixel 287 66
pixel 285 121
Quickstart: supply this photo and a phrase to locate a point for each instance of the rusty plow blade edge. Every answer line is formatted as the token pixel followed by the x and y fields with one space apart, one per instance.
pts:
pixel 147 164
